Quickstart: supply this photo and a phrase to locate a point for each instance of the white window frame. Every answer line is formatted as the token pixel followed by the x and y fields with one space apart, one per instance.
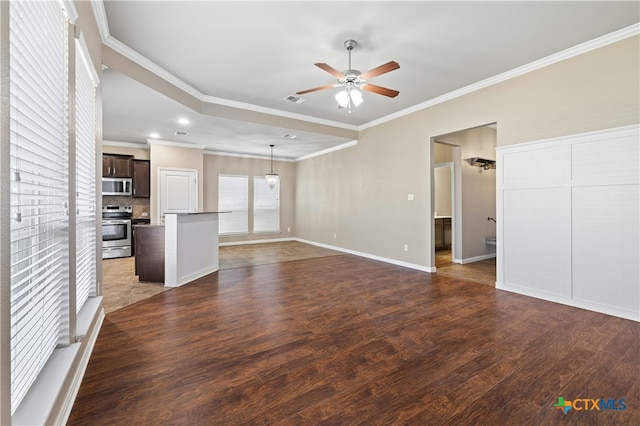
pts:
pixel 266 206
pixel 233 197
pixel 86 193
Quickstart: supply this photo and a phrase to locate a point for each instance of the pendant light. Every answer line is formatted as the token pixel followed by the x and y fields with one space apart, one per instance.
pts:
pixel 272 178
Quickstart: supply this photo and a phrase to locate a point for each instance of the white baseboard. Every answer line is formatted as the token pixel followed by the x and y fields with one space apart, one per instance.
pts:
pixel 370 256
pixel 240 243
pixel 475 259
pixel 608 310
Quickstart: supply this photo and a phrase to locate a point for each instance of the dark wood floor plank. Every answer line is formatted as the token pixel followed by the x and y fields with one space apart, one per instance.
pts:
pixel 347 340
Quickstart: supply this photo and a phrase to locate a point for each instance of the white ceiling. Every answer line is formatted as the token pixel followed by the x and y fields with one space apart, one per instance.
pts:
pixel 255 54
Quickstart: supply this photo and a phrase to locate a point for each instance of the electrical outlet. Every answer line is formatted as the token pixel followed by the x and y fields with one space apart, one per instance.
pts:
pixel 410 197
pixel 288 229
pixel 406 247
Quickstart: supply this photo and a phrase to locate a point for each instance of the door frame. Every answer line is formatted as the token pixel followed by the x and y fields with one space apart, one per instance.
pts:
pixel 456 202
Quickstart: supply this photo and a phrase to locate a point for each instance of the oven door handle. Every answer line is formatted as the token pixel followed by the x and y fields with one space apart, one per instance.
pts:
pixel 116 222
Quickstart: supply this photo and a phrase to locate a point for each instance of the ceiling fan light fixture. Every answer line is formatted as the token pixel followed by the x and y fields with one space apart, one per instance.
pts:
pixel 356 96
pixel 349 97
pixel 342 97
pixel 353 81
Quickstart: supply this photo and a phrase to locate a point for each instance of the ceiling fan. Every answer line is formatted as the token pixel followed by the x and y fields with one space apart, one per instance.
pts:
pixel 353 80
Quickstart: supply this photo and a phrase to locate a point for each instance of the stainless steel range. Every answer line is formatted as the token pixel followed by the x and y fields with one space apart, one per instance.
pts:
pixel 116 231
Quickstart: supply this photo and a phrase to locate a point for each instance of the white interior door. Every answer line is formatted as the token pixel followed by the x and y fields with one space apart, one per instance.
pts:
pixel 178 191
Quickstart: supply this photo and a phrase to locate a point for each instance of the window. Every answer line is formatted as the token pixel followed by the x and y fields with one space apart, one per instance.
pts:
pixel 266 206
pixel 233 196
pixel 38 112
pixel 85 180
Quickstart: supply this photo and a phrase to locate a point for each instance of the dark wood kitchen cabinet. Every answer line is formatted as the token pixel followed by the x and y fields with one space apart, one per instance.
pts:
pixel 149 259
pixel 141 179
pixel 116 165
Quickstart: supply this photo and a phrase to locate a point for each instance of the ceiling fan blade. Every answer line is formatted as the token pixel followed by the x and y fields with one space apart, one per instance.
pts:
pixel 380 90
pixel 389 66
pixel 326 86
pixel 328 68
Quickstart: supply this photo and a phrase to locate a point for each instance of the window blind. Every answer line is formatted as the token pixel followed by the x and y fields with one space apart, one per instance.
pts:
pixel 233 196
pixel 38 111
pixel 266 206
pixel 85 181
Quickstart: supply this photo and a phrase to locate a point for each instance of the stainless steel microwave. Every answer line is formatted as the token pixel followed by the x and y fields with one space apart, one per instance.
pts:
pixel 116 186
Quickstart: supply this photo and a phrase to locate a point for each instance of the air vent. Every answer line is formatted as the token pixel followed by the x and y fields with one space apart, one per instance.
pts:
pixel 181 133
pixel 295 99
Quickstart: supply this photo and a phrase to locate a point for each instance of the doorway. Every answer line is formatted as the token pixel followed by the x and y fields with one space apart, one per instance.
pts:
pixel 464 195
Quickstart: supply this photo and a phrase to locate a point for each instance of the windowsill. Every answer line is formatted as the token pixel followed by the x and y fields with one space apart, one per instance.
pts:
pixel 57 384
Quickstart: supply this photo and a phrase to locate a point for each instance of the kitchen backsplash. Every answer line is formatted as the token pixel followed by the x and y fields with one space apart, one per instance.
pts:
pixel 140 205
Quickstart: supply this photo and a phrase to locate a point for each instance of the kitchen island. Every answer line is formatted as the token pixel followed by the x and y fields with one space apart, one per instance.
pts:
pixel 181 250
pixel 190 246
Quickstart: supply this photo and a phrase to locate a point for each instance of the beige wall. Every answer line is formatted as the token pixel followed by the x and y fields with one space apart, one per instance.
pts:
pixel 215 165
pixel 360 193
pixel 174 157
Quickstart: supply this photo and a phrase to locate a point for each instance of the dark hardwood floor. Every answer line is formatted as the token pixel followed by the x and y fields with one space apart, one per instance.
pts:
pixel 346 340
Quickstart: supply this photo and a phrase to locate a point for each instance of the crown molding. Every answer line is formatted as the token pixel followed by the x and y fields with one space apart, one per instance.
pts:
pixel 585 47
pixel 70 8
pixel 101 18
pixel 272 111
pixel 251 156
pixel 172 143
pixel 328 150
pixel 125 144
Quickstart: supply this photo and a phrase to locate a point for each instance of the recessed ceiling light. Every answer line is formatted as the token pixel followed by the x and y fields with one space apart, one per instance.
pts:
pixel 154 135
pixel 288 136
pixel 183 121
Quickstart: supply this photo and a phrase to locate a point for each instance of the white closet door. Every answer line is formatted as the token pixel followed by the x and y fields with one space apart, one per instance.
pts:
pixel 178 191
